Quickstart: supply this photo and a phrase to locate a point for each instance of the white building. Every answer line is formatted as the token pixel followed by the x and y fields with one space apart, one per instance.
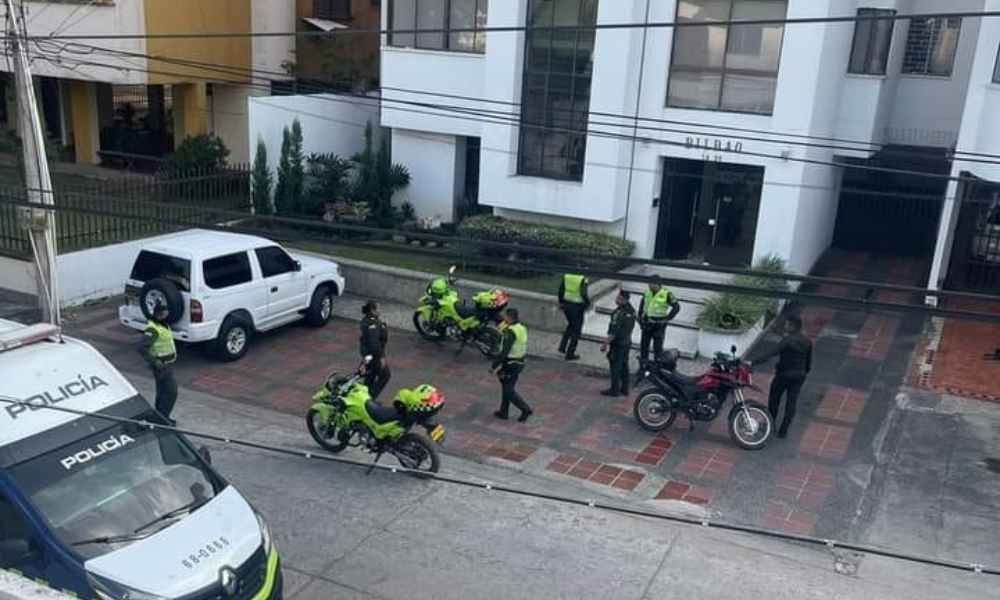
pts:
pixel 738 125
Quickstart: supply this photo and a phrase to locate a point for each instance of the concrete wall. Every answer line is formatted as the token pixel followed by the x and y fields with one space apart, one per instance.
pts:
pixel 330 123
pixel 268 53
pixel 433 161
pixel 15 587
pixel 228 118
pixel 171 16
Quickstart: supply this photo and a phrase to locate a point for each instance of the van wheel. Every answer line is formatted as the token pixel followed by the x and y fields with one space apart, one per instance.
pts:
pixel 320 307
pixel 233 340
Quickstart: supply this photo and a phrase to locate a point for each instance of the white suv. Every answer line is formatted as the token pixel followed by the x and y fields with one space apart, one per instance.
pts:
pixel 222 287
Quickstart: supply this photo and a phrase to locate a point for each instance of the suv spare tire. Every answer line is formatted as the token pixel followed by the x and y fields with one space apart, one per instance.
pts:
pixel 165 291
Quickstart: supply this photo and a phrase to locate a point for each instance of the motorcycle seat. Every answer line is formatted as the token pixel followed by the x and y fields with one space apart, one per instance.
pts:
pixel 465 310
pixel 685 381
pixel 381 414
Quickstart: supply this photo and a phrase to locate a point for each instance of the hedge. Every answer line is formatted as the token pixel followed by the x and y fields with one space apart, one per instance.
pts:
pixel 498 229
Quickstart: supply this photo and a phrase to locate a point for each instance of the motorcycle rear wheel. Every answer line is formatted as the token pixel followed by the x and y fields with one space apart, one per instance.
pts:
pixel 424 328
pixel 654 410
pixel 739 430
pixel 417 453
pixel 325 434
pixel 488 340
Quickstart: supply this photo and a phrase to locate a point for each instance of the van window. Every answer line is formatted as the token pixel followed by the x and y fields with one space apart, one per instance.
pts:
pixel 274 261
pixel 18 549
pixel 125 483
pixel 228 270
pixel 151 265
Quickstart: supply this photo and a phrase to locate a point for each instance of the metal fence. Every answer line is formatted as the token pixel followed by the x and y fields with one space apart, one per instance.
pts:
pixel 119 210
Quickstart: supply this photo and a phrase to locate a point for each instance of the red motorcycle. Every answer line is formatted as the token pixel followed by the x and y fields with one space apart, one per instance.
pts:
pixel 701 398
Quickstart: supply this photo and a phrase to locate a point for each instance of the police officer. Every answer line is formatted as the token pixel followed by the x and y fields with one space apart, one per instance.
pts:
pixel 658 306
pixel 160 352
pixel 618 344
pixel 374 340
pixel 510 363
pixel 574 301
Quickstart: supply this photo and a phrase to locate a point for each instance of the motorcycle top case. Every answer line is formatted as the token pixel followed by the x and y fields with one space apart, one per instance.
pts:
pixel 493 299
pixel 425 399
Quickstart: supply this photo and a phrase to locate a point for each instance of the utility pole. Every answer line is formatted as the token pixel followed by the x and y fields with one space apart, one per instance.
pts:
pixel 40 222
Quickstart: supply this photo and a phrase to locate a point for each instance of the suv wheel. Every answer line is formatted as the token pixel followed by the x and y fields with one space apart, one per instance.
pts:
pixel 233 340
pixel 320 307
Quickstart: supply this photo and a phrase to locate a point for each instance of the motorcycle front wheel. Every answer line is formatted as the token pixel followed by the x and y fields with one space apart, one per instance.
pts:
pixel 753 432
pixel 654 410
pixel 417 453
pixel 323 432
pixel 425 327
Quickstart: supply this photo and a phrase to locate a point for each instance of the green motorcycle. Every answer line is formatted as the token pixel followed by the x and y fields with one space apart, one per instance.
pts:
pixel 440 315
pixel 343 414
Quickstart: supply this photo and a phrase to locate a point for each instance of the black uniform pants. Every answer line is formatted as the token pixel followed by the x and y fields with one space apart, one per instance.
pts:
pixel 376 376
pixel 788 386
pixel 652 331
pixel 618 361
pixel 574 327
pixel 166 389
pixel 508 375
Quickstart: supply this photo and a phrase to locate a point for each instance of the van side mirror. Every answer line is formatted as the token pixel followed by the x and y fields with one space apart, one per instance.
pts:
pixel 15 552
pixel 205 454
pixel 733 349
pixel 298 266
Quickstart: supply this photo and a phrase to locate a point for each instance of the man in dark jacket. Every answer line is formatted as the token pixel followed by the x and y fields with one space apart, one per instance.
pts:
pixel 574 301
pixel 374 339
pixel 794 362
pixel 618 344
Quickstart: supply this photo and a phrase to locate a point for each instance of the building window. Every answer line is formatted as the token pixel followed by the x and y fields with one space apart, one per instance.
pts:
pixel 872 41
pixel 442 16
pixel 332 9
pixel 726 67
pixel 555 94
pixel 996 69
pixel 931 45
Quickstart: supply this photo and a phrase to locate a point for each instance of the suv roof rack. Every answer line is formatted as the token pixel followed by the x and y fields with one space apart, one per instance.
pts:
pixel 29 334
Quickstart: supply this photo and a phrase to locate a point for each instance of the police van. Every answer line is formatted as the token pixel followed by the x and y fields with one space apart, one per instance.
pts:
pixel 109 509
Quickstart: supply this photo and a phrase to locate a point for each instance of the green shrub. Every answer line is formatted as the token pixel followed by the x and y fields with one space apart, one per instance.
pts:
pixel 199 154
pixel 261 182
pixel 738 312
pixel 498 229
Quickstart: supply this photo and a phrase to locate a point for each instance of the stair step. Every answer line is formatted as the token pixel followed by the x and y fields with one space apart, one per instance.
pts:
pixel 635 346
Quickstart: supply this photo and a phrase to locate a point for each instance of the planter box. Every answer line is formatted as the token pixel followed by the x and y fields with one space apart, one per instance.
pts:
pixel 711 341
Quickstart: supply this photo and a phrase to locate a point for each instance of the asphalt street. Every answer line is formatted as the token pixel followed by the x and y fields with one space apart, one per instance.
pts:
pixel 345 534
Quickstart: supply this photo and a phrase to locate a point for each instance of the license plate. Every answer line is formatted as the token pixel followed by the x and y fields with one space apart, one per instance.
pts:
pixel 437 433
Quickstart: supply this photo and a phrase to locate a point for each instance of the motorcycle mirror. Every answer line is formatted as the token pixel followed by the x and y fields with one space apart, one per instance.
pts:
pixel 368 359
pixel 451 271
pixel 733 349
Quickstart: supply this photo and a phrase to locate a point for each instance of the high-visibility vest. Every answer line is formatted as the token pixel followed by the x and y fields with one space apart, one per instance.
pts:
pixel 657 306
pixel 519 349
pixel 573 288
pixel 164 346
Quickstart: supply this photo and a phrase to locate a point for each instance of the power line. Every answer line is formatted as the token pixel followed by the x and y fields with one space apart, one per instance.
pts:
pixel 490 486
pixel 521 28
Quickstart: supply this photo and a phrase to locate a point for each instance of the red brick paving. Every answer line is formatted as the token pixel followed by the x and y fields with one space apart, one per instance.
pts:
pixel 842 404
pixel 875 337
pixel 779 515
pixel 804 484
pixel 815 319
pixel 959 366
pixel 581 468
pixel 826 441
pixel 708 461
pixel 686 492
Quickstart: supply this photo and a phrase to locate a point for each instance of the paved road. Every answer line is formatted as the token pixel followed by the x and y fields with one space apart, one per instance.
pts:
pixel 343 534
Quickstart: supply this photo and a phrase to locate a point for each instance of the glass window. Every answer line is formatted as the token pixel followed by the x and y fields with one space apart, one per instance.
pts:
pixel 152 265
pixel 726 67
pixel 125 483
pixel 332 9
pixel 872 41
pixel 274 261
pixel 555 96
pixel 226 271
pixel 931 44
pixel 443 16
pixel 996 69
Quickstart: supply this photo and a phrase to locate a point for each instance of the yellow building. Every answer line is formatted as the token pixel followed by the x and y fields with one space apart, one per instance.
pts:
pixel 144 95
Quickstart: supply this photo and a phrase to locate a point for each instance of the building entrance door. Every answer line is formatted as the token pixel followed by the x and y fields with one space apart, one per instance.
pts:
pixel 708 212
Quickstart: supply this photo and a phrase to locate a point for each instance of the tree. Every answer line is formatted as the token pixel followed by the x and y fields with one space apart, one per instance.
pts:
pixel 281 194
pixel 204 153
pixel 378 179
pixel 261 181
pixel 328 181
pixel 297 171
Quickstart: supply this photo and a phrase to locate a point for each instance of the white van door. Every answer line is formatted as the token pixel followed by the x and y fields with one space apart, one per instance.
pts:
pixel 284 281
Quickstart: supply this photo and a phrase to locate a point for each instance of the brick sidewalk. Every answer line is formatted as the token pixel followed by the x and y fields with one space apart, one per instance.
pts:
pixel 801 484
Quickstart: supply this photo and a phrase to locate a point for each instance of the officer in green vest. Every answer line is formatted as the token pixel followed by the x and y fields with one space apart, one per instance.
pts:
pixel 574 301
pixel 509 364
pixel 160 352
pixel 657 308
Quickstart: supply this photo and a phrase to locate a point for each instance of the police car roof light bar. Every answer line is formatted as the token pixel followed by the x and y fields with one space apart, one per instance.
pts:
pixel 29 334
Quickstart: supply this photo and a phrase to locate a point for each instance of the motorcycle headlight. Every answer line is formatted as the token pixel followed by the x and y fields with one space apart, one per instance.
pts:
pixel 265 534
pixel 107 589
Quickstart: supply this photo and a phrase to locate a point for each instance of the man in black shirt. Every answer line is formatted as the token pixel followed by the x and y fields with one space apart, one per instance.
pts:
pixel 794 362
pixel 618 344
pixel 374 339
